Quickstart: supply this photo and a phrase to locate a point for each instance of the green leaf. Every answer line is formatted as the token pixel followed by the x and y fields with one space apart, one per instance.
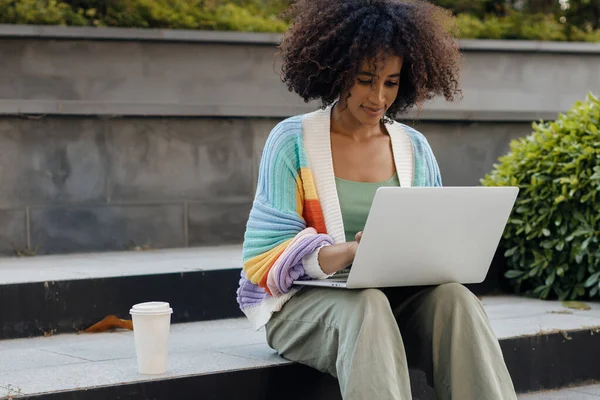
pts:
pixel 510 252
pixel 546 232
pixel 582 231
pixel 576 305
pixel 545 293
pixel 558 220
pixel 563 230
pixel 592 280
pixel 585 244
pixel 585 197
pixel 548 244
pixel 560 199
pixel 581 218
pixel 511 274
pixel 578 233
pixel 539 289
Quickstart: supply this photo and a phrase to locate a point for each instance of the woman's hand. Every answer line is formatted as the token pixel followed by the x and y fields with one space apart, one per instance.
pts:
pixel 358 236
pixel 338 256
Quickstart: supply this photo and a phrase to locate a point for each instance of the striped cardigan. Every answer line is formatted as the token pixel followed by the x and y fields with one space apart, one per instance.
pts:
pixel 296 209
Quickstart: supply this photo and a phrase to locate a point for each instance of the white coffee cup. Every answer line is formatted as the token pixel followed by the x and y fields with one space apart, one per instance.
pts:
pixel 151 327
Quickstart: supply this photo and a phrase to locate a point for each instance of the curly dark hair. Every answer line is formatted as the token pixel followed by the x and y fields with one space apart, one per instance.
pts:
pixel 328 41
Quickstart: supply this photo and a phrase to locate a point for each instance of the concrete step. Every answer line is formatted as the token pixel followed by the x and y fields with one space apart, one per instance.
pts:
pixel 68 293
pixel 588 392
pixel 545 345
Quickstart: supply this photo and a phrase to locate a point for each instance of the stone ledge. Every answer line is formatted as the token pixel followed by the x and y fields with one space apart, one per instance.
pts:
pixel 529 46
pixel 135 34
pixel 272 39
pixel 112 109
pixel 73 267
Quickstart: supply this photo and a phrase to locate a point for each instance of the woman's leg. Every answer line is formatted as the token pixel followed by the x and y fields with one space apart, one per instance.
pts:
pixel 349 334
pixel 448 335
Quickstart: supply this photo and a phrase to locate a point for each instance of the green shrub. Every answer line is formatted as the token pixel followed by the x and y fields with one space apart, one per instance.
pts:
pixel 482 19
pixel 476 8
pixel 39 12
pixel 494 27
pixel 167 14
pixel 552 237
pixel 580 35
pixel 514 26
pixel 230 17
pixel 540 27
pixel 470 26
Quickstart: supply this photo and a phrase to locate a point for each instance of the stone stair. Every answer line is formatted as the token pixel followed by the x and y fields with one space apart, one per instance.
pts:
pixel 68 293
pixel 214 353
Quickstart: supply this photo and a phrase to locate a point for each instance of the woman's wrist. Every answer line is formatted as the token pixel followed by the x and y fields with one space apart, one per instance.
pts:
pixel 353 247
pixel 337 257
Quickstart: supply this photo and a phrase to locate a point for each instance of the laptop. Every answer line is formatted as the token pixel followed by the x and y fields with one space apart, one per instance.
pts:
pixel 421 236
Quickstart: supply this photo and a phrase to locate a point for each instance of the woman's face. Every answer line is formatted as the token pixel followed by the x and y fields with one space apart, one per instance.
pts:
pixel 372 94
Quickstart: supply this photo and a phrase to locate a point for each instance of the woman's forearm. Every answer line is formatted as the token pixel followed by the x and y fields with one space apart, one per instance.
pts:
pixel 337 257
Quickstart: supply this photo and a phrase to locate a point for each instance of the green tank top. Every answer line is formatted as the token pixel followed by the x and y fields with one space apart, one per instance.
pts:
pixel 355 202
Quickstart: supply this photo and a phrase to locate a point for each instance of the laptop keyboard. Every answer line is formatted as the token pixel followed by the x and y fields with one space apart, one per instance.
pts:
pixel 338 278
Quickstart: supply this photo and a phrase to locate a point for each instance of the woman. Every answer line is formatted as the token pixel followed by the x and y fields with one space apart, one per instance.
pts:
pixel 367 61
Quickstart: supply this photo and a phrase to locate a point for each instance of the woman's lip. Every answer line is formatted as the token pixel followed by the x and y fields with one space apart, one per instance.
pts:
pixel 372 112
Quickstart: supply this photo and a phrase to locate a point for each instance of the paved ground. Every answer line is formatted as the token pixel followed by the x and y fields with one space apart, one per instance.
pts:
pixel 578 393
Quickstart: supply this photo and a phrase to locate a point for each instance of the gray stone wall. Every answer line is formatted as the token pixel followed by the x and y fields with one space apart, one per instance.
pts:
pixel 502 80
pixel 89 184
pixel 111 139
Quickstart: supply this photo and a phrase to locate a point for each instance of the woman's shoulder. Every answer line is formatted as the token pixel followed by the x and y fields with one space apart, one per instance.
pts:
pixel 290 129
pixel 414 134
pixel 426 168
pixel 419 141
pixel 284 139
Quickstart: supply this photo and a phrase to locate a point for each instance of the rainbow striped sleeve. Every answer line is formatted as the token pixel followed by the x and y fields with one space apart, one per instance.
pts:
pixel 426 170
pixel 286 221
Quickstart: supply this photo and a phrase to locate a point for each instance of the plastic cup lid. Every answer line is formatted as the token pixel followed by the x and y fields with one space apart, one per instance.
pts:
pixel 151 308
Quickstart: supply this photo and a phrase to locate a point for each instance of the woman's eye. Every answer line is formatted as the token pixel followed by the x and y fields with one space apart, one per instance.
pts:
pixel 391 84
pixel 363 82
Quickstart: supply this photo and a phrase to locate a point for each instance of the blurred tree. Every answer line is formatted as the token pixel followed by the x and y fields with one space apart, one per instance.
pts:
pixel 541 6
pixel 581 14
pixel 100 5
pixel 576 20
pixel 478 8
pixel 584 14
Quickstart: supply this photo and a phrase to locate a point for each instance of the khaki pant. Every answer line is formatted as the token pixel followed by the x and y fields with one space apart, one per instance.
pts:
pixel 368 338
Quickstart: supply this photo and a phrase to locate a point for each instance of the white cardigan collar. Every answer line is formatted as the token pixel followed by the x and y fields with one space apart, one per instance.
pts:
pixel 317 142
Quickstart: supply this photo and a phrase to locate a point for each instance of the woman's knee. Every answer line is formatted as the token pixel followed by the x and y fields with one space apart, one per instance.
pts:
pixel 454 294
pixel 372 299
pixel 371 304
